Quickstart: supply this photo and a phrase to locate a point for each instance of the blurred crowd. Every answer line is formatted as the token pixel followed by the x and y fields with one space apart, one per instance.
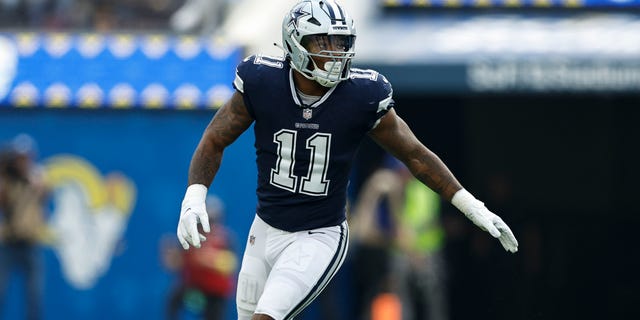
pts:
pixel 104 16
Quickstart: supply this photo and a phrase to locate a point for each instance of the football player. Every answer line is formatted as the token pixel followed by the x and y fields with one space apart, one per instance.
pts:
pixel 310 112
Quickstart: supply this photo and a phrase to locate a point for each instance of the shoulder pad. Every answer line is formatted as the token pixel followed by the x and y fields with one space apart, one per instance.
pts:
pixel 252 67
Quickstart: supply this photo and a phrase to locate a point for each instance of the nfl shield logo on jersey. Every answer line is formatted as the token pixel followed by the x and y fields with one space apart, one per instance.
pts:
pixel 307 113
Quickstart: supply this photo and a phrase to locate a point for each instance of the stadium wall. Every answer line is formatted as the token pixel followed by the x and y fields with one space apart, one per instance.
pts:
pixel 118 178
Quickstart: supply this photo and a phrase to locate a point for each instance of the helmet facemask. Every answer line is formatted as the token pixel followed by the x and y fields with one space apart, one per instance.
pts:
pixel 329 57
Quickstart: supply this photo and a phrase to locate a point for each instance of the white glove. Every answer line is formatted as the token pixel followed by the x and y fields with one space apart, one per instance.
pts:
pixel 475 211
pixel 193 211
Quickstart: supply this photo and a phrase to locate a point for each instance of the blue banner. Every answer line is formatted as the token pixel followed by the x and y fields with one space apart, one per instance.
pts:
pixel 117 181
pixel 59 70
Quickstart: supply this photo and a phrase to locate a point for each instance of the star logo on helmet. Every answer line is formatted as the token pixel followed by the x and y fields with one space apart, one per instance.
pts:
pixel 297 14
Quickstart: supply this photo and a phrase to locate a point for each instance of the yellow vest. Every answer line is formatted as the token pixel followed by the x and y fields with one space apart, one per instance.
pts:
pixel 421 214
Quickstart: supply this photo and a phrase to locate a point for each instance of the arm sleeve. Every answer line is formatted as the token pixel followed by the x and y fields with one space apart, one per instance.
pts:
pixel 243 81
pixel 384 94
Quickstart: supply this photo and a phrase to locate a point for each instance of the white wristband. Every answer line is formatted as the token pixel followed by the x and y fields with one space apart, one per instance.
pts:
pixel 464 201
pixel 196 192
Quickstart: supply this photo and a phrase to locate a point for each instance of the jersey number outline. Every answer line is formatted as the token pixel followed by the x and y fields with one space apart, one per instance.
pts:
pixel 270 61
pixel 315 183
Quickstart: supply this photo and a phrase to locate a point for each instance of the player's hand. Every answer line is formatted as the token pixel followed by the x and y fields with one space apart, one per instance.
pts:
pixel 488 221
pixel 475 211
pixel 193 212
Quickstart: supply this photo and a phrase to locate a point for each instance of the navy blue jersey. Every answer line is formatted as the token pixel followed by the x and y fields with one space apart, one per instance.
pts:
pixel 304 153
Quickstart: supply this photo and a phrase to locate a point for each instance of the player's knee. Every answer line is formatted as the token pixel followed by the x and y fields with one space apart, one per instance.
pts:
pixel 250 285
pixel 282 296
pixel 244 313
pixel 247 295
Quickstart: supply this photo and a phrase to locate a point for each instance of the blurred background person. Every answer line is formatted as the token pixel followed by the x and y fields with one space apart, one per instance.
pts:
pixel 374 226
pixel 22 200
pixel 419 263
pixel 206 274
pixel 398 230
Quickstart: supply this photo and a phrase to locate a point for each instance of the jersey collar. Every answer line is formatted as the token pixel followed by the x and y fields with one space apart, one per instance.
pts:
pixel 296 98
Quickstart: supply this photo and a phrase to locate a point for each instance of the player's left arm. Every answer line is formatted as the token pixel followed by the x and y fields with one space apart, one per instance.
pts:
pixel 395 136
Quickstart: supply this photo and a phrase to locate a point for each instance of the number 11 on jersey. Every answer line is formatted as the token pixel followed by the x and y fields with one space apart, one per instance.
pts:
pixel 282 176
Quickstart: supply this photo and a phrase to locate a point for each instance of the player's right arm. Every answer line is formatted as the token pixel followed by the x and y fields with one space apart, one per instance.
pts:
pixel 231 120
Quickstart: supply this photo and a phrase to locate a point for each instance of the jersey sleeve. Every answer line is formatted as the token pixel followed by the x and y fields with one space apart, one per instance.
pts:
pixel 243 81
pixel 255 79
pixel 384 98
pixel 386 101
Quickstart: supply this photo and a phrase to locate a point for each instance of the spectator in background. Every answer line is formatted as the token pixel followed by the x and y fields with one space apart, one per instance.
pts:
pixel 396 213
pixel 374 225
pixel 421 266
pixel 207 274
pixel 22 199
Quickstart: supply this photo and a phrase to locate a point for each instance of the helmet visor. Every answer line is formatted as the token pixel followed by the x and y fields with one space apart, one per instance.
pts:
pixel 327 44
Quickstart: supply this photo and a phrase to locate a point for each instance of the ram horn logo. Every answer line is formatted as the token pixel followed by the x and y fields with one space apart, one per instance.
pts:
pixel 90 215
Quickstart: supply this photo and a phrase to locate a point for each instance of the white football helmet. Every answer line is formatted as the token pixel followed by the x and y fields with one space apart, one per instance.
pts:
pixel 321 29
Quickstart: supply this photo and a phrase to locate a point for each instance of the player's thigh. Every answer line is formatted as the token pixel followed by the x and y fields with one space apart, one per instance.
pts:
pixel 254 270
pixel 302 271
